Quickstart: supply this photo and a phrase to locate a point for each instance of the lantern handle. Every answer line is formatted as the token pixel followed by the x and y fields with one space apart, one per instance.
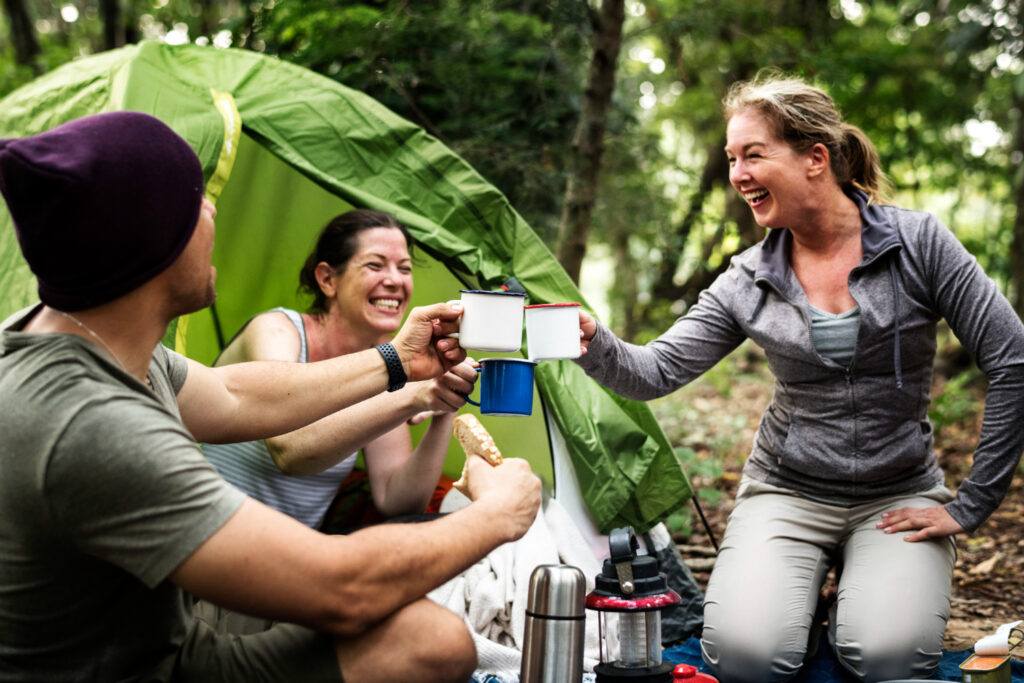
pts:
pixel 623 545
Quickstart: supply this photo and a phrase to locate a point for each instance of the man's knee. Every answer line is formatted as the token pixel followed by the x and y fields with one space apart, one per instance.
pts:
pixel 449 650
pixel 452 647
pixel 421 641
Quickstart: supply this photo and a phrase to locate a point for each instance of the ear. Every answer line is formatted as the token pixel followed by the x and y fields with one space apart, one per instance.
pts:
pixel 818 160
pixel 325 279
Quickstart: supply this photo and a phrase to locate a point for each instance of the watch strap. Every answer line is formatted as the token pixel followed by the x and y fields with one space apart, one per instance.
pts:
pixel 396 373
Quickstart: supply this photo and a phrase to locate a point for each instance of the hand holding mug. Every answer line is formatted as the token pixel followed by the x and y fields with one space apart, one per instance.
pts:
pixel 419 343
pixel 445 394
pixel 588 328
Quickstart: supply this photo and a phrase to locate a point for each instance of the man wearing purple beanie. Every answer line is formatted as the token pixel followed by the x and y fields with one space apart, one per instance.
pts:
pixel 111 520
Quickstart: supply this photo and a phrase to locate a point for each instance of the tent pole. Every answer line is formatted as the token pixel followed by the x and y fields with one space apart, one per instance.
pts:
pixel 707 527
pixel 220 334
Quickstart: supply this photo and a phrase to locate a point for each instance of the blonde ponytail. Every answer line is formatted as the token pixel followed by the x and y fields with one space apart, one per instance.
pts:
pixel 864 169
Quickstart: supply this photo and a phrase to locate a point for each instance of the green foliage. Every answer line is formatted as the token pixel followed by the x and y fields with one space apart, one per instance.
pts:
pixel 502 87
pixel 56 49
pixel 955 401
pixel 682 521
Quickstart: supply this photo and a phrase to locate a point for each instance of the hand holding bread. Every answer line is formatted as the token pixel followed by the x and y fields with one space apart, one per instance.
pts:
pixel 475 440
pixel 513 493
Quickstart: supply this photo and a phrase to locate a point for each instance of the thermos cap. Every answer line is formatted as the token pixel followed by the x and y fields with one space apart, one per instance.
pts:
pixel 556 590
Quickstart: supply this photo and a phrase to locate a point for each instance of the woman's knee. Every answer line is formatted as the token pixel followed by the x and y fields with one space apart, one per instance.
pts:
pixel 879 638
pixel 752 656
pixel 885 657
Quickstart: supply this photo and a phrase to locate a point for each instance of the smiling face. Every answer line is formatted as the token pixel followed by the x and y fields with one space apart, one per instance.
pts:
pixel 371 293
pixel 769 174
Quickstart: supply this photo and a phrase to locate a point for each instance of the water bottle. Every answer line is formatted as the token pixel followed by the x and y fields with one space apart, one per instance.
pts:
pixel 555 620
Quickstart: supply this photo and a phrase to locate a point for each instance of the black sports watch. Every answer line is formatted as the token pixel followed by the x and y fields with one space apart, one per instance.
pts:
pixel 396 373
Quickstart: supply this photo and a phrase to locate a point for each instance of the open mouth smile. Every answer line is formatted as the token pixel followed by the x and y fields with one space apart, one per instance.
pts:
pixel 386 304
pixel 755 197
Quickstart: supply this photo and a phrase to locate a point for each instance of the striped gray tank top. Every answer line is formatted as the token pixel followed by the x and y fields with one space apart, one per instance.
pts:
pixel 249 467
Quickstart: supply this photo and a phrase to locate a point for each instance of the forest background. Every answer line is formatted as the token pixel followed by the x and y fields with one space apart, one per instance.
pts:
pixel 601 122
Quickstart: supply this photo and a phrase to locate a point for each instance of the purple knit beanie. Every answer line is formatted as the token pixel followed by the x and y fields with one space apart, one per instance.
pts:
pixel 101 204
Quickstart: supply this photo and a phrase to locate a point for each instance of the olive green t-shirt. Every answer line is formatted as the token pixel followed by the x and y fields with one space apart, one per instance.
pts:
pixel 103 493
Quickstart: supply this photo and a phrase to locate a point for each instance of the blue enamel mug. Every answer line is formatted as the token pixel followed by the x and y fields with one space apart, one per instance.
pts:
pixel 506 387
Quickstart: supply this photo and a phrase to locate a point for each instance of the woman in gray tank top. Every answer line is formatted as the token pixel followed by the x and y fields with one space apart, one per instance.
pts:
pixel 360 276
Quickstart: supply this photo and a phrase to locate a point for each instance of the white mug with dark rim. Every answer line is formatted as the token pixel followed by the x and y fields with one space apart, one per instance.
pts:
pixel 553 331
pixel 491 321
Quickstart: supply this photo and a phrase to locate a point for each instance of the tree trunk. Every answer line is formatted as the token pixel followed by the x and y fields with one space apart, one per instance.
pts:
pixel 113 30
pixel 130 23
pixel 207 18
pixel 750 234
pixel 627 289
pixel 716 170
pixel 23 34
pixel 588 141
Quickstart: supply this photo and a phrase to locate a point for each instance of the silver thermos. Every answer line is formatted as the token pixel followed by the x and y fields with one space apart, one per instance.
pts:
pixel 555 620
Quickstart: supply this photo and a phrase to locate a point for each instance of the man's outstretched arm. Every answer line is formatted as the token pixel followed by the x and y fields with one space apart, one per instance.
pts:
pixel 247 401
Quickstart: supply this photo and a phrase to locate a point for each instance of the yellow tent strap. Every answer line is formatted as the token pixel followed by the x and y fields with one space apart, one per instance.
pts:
pixel 225 104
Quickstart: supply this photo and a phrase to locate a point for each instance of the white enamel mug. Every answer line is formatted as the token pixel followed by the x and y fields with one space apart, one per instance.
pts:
pixel 552 331
pixel 491 321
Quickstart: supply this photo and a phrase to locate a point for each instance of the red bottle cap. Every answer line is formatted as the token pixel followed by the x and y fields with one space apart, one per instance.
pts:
pixel 689 673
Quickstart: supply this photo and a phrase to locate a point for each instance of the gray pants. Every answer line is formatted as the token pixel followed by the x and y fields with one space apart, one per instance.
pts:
pixel 893 596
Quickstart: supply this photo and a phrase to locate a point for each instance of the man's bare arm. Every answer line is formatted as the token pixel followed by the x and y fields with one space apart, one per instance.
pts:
pixel 247 401
pixel 264 563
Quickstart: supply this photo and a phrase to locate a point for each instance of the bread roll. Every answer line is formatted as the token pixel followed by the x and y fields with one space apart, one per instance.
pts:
pixel 475 440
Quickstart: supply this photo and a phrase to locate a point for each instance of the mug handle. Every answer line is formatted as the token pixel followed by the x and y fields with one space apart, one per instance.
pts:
pixel 466 396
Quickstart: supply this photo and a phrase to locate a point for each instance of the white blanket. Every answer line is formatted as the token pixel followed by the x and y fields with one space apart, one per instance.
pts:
pixel 491 595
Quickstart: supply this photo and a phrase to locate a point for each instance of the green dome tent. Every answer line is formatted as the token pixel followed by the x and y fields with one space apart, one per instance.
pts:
pixel 284 149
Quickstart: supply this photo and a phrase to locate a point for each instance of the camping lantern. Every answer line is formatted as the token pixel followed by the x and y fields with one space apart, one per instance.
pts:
pixel 628 596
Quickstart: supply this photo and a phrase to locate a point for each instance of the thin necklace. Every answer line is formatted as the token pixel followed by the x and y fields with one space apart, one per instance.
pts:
pixel 96 337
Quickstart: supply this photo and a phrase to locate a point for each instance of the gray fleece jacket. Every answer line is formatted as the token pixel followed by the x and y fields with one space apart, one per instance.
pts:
pixel 847 435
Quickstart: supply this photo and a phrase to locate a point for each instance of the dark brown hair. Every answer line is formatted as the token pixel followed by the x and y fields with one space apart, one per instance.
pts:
pixel 336 245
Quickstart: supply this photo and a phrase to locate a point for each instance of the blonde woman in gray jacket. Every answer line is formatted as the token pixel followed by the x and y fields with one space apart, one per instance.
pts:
pixel 844 295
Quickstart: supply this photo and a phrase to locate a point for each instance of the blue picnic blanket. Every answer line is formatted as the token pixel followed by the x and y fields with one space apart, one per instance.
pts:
pixel 823 667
